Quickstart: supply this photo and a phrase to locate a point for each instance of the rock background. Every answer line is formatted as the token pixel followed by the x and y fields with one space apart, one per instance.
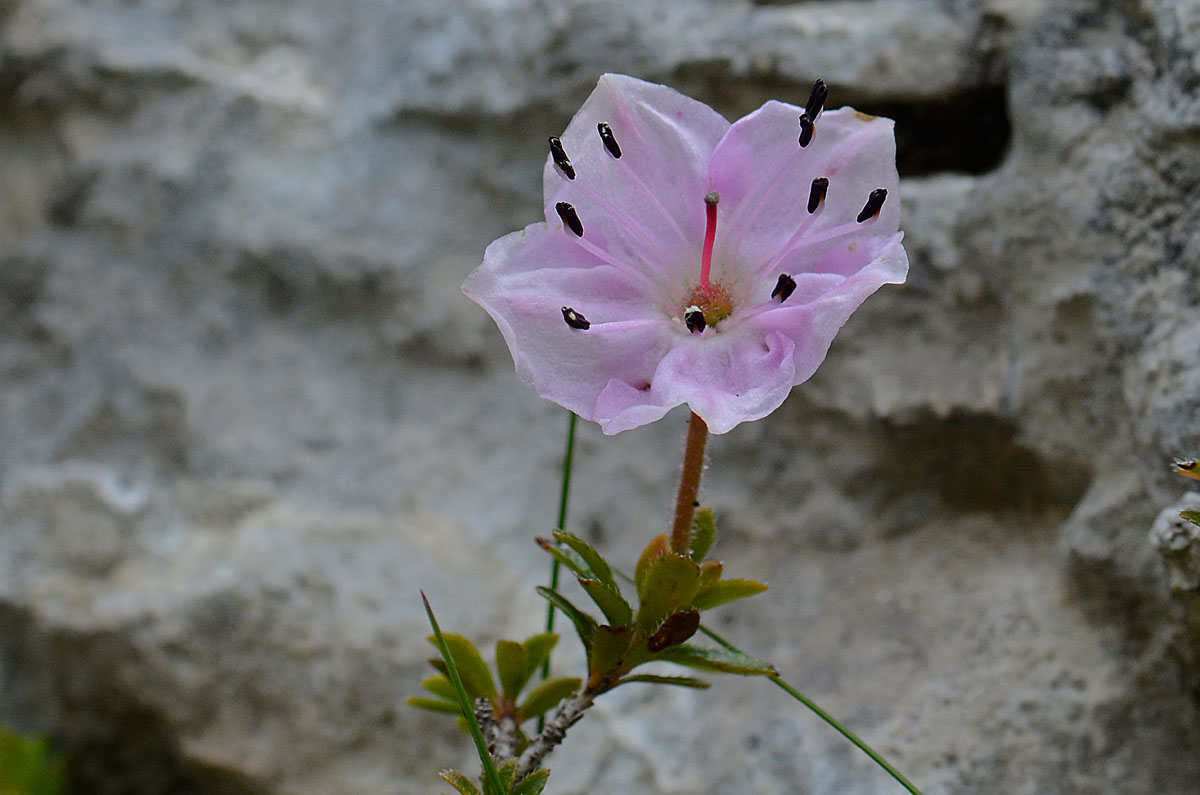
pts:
pixel 245 412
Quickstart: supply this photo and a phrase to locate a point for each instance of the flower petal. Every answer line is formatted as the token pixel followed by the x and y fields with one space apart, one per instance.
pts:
pixel 527 278
pixel 764 178
pixel 866 264
pixel 728 377
pixel 647 206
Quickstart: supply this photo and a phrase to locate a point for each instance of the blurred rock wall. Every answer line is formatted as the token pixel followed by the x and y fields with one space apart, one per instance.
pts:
pixel 245 412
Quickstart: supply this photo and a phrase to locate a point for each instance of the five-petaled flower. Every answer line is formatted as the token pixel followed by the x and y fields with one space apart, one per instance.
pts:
pixel 687 260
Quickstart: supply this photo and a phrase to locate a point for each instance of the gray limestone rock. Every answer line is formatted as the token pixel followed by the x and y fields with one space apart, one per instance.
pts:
pixel 245 413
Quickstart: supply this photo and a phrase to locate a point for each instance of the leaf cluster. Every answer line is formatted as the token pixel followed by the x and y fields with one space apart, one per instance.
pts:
pixel 516 665
pixel 672 591
pixel 533 784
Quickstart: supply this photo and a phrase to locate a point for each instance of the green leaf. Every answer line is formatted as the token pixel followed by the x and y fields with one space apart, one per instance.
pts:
pixel 723 660
pixel 679 681
pixel 1191 516
pixel 595 561
pixel 460 782
pixel 533 784
pixel 567 557
pixel 511 666
pixel 439 685
pixel 607 651
pixel 28 766
pixel 726 591
pixel 547 695
pixel 585 625
pixel 476 676
pixel 608 599
pixel 434 704
pixel 508 772
pixel 657 547
pixel 704 532
pixel 537 651
pixel 710 573
pixel 490 779
pixel 670 584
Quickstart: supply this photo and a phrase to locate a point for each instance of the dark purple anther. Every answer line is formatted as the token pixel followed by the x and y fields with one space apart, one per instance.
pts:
pixel 816 194
pixel 559 155
pixel 610 141
pixel 575 320
pixel 784 287
pixel 806 129
pixel 816 100
pixel 569 217
pixel 874 202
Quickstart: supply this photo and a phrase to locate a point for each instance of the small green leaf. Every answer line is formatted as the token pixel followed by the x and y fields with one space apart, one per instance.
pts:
pixel 439 685
pixel 476 677
pixel 547 695
pixel 511 666
pixel 704 532
pixel 657 547
pixel 726 591
pixel 710 573
pixel 616 609
pixel 670 584
pixel 723 660
pixel 567 557
pixel 537 651
pixel 594 560
pixel 607 651
pixel 585 625
pixel 508 772
pixel 1191 516
pixel 460 782
pixel 434 704
pixel 656 679
pixel 533 784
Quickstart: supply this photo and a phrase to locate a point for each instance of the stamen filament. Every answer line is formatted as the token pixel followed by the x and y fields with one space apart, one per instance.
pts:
pixel 799 241
pixel 624 325
pixel 633 273
pixel 627 223
pixel 747 212
pixel 772 261
pixel 632 174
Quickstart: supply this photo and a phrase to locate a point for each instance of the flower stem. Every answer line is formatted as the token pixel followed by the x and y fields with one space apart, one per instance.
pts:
pixel 779 682
pixel 689 485
pixel 564 495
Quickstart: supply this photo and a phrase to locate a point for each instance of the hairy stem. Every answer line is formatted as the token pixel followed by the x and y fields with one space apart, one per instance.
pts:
pixel 566 716
pixel 499 733
pixel 689 485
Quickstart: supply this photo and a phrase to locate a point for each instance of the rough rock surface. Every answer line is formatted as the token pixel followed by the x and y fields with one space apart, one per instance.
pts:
pixel 245 413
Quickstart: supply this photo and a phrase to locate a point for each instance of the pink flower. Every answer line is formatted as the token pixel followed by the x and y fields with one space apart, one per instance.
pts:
pixel 687 260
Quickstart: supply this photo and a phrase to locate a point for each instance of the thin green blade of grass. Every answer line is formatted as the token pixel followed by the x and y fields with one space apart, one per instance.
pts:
pixel 490 776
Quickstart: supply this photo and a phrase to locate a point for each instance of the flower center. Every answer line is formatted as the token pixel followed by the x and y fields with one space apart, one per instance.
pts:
pixel 707 300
